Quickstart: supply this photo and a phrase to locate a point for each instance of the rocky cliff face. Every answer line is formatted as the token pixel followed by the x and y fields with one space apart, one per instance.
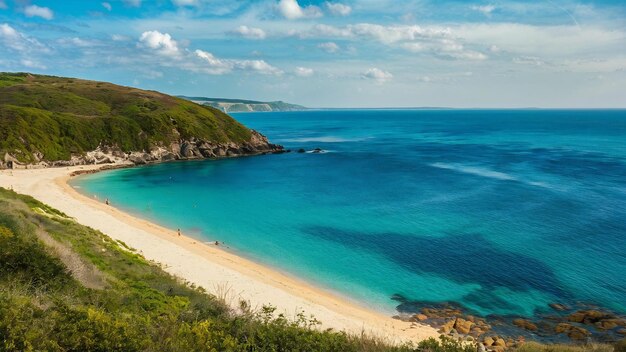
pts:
pixel 180 150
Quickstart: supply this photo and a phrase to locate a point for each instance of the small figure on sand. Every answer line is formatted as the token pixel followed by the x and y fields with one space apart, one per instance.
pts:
pixel 178 232
pixel 106 201
pixel 217 243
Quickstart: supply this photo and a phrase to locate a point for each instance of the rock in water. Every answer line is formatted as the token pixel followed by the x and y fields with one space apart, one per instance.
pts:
pixel 525 324
pixel 558 307
pixel 463 326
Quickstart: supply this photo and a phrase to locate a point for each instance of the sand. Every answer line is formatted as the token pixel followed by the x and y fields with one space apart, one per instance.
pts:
pixel 218 271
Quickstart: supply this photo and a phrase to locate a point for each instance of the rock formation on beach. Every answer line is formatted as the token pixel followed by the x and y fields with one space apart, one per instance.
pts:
pixel 179 150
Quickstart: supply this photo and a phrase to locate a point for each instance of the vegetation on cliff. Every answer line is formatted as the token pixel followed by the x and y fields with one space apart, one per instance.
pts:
pixel 52 118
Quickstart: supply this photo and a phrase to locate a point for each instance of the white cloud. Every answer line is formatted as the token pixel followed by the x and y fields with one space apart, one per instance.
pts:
pixel 466 41
pixel 151 74
pixel 162 43
pixel 414 47
pixel 604 65
pixel 465 55
pixel 329 47
pixel 259 66
pixel 198 61
pixel 304 72
pixel 75 41
pixel 9 34
pixel 185 2
pixel 384 34
pixel 528 60
pixel 132 3
pixel 291 10
pixel 217 66
pixel 392 34
pixel 37 11
pixel 338 9
pixel 529 40
pixel 23 46
pixel 107 6
pixel 32 64
pixel 249 32
pixel 119 38
pixel 438 41
pixel 17 41
pixel 377 74
pixel 484 9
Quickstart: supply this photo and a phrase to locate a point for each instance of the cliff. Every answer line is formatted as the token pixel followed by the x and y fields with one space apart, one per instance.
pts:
pixel 239 105
pixel 54 121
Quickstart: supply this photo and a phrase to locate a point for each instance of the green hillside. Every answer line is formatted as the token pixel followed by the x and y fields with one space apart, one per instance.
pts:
pixel 52 118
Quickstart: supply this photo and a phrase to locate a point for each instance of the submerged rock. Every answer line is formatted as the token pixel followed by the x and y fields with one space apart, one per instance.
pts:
pixel 610 323
pixel 559 307
pixel 589 316
pixel 525 324
pixel 572 331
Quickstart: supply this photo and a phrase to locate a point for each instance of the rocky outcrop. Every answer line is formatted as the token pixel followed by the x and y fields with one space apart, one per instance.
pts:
pixel 525 324
pixel 180 150
pixel 572 331
pixel 562 323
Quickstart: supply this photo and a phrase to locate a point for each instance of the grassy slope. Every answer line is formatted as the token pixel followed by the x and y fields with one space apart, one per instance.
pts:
pixel 60 116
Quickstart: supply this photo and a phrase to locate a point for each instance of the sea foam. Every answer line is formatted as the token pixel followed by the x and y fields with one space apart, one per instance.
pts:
pixel 484 172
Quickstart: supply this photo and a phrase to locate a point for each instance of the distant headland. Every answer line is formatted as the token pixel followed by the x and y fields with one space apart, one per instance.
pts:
pixel 54 121
pixel 241 105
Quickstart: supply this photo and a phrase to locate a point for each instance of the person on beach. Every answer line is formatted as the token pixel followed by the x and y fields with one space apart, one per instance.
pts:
pixel 178 232
pixel 106 201
pixel 217 243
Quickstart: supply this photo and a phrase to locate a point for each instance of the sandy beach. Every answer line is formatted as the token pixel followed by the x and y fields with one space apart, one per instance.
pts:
pixel 218 271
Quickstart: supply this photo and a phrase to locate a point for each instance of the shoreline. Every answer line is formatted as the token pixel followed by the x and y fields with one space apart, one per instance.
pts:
pixel 217 270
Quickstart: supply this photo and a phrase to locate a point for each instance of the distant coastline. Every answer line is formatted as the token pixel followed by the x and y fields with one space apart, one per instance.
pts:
pixel 242 105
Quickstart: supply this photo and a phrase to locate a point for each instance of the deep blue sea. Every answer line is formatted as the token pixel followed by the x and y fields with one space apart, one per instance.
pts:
pixel 502 211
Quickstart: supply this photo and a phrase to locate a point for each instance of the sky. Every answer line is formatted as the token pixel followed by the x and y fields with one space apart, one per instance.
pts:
pixel 344 53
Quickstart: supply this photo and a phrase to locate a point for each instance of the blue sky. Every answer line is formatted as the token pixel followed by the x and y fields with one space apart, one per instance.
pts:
pixel 345 53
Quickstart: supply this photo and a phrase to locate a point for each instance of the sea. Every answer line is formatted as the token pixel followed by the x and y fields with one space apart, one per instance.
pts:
pixel 502 212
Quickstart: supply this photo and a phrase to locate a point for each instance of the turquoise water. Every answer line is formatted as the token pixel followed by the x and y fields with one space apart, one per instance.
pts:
pixel 503 212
